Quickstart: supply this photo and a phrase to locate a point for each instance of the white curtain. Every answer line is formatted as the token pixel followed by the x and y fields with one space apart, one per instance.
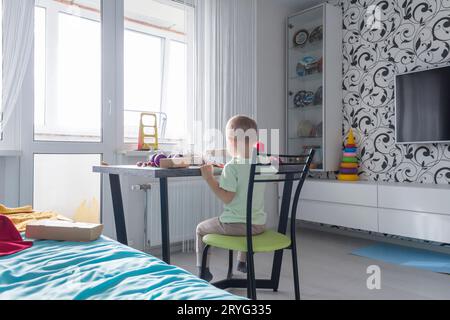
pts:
pixel 18 35
pixel 225 32
pixel 222 69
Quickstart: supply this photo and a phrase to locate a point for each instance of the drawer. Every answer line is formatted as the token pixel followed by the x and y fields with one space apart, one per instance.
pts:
pixel 426 226
pixel 358 194
pixel 427 199
pixel 364 218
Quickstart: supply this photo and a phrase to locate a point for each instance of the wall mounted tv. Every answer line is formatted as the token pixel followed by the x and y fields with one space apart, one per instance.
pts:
pixel 423 106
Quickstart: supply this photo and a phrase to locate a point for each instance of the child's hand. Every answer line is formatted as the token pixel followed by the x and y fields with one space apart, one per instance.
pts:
pixel 207 172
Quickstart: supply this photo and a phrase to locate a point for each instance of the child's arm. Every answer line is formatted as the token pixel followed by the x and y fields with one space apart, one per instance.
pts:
pixel 207 174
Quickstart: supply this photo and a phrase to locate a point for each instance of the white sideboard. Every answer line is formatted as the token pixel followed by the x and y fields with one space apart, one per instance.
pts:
pixel 408 210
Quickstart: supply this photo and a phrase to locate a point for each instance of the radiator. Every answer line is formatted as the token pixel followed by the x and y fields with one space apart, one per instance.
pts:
pixel 190 202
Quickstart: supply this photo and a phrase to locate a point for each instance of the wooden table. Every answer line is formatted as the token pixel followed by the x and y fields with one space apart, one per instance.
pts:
pixel 163 175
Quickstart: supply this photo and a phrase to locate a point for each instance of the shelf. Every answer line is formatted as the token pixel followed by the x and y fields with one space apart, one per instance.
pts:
pixel 307 108
pixel 310 77
pixel 308 48
pixel 300 138
pixel 325 118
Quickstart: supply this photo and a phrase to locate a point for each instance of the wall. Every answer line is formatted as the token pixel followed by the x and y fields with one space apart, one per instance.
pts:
pixel 2 180
pixel 370 60
pixel 271 76
pixel 415 35
pixel 9 181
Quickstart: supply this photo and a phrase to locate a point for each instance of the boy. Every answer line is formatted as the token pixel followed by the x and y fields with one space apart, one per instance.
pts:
pixel 232 191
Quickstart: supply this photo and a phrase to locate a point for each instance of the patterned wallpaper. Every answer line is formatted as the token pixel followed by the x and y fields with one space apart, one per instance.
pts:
pixel 414 35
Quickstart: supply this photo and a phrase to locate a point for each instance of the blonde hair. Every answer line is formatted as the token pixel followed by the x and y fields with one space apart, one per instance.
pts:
pixel 242 123
pixel 244 131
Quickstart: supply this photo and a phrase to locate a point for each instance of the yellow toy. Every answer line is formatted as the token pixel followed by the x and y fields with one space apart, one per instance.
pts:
pixel 148 132
pixel 349 165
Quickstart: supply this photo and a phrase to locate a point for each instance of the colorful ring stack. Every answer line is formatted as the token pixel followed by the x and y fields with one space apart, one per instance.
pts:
pixel 349 164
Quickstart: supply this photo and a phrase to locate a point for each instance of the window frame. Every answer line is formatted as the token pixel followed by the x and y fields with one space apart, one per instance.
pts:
pixel 166 37
pixel 112 144
pixel 53 8
pixel 52 11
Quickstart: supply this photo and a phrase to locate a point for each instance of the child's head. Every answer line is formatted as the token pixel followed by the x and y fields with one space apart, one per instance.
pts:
pixel 242 134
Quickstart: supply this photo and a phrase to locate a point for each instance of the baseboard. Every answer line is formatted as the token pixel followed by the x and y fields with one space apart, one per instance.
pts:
pixel 374 236
pixel 177 247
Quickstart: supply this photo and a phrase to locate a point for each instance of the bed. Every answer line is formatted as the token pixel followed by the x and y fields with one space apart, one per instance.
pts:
pixel 100 270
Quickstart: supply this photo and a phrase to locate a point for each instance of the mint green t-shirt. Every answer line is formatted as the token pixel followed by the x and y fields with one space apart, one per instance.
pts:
pixel 235 178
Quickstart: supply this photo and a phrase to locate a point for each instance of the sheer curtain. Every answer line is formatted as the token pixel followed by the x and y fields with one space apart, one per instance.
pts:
pixel 225 65
pixel 222 82
pixel 18 34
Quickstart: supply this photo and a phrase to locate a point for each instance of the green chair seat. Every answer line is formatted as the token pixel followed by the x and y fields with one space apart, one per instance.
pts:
pixel 268 241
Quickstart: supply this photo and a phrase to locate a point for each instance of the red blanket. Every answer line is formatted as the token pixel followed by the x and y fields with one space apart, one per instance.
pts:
pixel 10 239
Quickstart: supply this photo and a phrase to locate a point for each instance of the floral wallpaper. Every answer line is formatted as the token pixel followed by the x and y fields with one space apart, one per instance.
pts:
pixel 412 35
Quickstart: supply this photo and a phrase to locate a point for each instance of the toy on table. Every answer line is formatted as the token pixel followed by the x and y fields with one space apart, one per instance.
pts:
pixel 148 132
pixel 160 160
pixel 260 147
pixel 349 165
pixel 216 158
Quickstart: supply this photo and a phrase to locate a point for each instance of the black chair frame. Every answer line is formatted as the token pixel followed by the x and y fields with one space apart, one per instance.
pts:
pixel 293 172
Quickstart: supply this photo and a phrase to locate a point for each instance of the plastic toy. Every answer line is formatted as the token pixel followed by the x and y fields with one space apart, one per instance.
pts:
pixel 349 165
pixel 148 132
pixel 158 158
pixel 260 147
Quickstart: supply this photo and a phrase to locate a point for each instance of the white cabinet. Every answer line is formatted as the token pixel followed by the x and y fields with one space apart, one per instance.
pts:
pixel 362 218
pixel 414 197
pixel 415 211
pixel 408 210
pixel 314 85
pixel 341 204
pixel 417 225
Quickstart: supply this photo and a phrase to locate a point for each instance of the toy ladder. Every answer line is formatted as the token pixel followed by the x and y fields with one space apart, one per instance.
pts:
pixel 148 132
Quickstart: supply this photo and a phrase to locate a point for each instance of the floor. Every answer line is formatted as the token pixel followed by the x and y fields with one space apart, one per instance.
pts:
pixel 329 271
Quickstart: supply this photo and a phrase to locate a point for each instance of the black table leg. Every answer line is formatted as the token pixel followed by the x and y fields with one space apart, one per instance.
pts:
pixel 164 196
pixel 119 215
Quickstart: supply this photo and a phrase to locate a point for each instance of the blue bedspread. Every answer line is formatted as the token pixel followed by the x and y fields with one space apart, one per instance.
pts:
pixel 103 269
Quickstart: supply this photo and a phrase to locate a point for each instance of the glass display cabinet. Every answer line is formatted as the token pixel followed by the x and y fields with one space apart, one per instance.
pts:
pixel 314 85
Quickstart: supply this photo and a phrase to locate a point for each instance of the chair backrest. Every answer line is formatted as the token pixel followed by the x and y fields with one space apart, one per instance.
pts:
pixel 286 169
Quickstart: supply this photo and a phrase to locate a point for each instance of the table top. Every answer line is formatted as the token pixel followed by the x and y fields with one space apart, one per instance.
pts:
pixel 156 173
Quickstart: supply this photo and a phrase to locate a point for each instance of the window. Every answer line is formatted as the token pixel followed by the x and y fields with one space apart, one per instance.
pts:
pixel 142 77
pixel 176 100
pixel 68 71
pixel 57 185
pixel 155 56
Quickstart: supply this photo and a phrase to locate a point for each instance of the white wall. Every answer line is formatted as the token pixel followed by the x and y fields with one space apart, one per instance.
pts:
pixel 271 78
pixel 9 181
pixel 2 180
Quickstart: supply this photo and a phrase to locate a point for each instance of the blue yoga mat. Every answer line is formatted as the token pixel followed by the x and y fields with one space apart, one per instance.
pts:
pixel 407 257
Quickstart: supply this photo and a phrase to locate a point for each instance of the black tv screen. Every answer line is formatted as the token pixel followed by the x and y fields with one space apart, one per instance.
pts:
pixel 423 106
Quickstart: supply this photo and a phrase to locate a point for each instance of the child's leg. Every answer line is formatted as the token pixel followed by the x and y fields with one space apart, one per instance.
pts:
pixel 211 226
pixel 239 229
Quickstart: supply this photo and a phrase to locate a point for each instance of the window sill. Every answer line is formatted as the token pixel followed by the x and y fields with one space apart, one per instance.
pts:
pixel 129 149
pixel 134 153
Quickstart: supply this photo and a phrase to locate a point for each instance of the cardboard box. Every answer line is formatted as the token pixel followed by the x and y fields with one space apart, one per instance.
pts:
pixel 176 163
pixel 63 231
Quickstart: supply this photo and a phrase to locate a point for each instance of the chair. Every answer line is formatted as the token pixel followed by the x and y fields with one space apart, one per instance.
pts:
pixel 295 169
